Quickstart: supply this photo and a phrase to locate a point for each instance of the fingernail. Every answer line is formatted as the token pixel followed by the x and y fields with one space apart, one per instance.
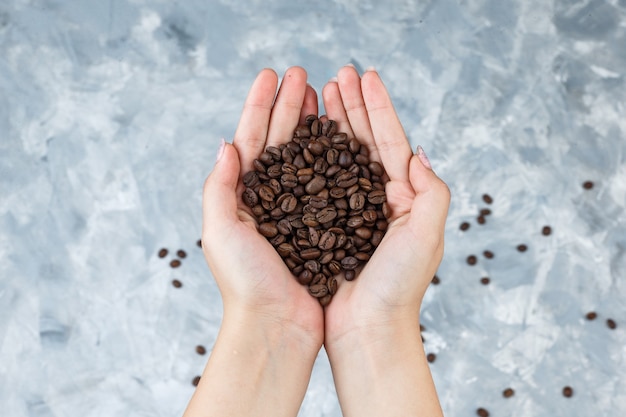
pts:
pixel 333 80
pixel 350 64
pixel 370 68
pixel 220 151
pixel 423 158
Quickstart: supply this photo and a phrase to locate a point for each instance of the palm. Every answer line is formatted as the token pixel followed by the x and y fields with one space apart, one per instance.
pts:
pixel 399 271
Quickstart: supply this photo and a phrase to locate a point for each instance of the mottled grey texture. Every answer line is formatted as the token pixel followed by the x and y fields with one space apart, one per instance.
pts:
pixel 110 117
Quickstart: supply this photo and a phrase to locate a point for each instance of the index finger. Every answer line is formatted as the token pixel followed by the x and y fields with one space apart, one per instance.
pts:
pixel 251 133
pixel 391 141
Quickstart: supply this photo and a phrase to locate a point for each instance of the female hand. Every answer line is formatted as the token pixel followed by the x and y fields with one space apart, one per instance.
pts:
pixel 272 328
pixel 372 324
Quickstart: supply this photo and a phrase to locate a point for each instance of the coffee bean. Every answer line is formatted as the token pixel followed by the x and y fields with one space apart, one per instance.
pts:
pixel 481 220
pixel 309 119
pixel 522 248
pixel 325 300
pixel 349 275
pixel 588 185
pixel 436 280
pixel 251 179
pixel 592 315
pixel 176 283
pixel 376 168
pixel 181 254
pixel 346 180
pixel 305 277
pixel 327 214
pixel 471 260
pixel 249 197
pixel 175 263
pixel 485 212
pixel 315 185
pixel 464 226
pixel 508 393
pixel 546 231
pixel 310 253
pixel 163 253
pixel 357 201
pixel 481 412
pixel 611 324
pixel 488 254
pixel 268 229
pixel 199 243
pixel 318 290
pixel 289 203
pixel 568 391
pixel 200 350
pixel 195 381
pixel 431 357
pixel 266 193
pixel 485 280
pixel 487 198
pixel 349 263
pixel 377 197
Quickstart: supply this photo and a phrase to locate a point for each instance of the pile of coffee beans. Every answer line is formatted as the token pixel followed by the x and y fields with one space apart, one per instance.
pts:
pixel 320 202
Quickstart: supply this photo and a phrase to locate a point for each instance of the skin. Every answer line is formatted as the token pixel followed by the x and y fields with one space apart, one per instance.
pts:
pixel 272 328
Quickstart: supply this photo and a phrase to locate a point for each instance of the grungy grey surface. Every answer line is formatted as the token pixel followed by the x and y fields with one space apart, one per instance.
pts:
pixel 111 113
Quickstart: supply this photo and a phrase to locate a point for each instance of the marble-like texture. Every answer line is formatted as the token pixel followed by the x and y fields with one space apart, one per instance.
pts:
pixel 110 118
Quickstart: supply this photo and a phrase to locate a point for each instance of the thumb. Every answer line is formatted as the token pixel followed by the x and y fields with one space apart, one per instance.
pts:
pixel 219 200
pixel 430 207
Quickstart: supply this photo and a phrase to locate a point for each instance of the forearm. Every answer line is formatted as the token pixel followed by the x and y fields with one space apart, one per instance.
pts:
pixel 382 371
pixel 254 371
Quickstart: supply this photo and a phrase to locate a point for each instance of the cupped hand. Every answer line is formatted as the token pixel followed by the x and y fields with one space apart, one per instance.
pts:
pixel 249 272
pixel 392 284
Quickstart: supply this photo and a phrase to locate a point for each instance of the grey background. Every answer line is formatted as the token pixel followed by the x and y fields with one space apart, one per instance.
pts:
pixel 111 113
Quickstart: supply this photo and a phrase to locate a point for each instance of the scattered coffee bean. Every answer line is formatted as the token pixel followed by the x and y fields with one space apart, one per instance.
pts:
pixel 487 198
pixel 464 226
pixel 320 202
pixel 436 280
pixel 481 220
pixel 175 263
pixel 488 254
pixel 199 243
pixel 200 350
pixel 181 254
pixel 472 259
pixel 546 231
pixel 176 283
pixel 163 253
pixel 485 212
pixel 485 280
pixel 588 185
pixel 481 412
pixel 611 324
pixel 568 391
pixel 522 248
pixel 592 315
pixel 431 357
pixel 196 381
pixel 508 393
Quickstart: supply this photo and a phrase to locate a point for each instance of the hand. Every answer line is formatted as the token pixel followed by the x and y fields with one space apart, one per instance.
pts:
pixel 372 324
pixel 248 270
pixel 272 328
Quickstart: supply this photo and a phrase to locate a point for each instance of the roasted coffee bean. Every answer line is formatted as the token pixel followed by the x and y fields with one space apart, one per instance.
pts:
pixel 327 214
pixel 318 290
pixel 327 241
pixel 355 222
pixel 471 260
pixel 200 350
pixel 377 197
pixel 289 203
pixel 349 275
pixel 508 393
pixel 329 128
pixel 318 202
pixel 176 283
pixel 310 253
pixel 485 280
pixel 332 286
pixel 316 128
pixel 325 300
pixel 315 185
pixel 487 198
pixel 546 231
pixel 431 357
pixel 305 277
pixel 611 324
pixel 357 201
pixel 481 412
pixel 436 280
pixel 345 159
pixel 195 381
pixel 289 180
pixel 488 254
pixel 268 229
pixel 481 220
pixel 568 391
pixel 592 315
pixel 249 197
pixel 266 193
pixel 163 253
pixel 349 263
pixel 522 248
pixel 376 168
pixel 175 263
pixel 326 257
pixel 199 243
pixel 588 185
pixel 464 226
pixel 346 180
pixel 251 179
